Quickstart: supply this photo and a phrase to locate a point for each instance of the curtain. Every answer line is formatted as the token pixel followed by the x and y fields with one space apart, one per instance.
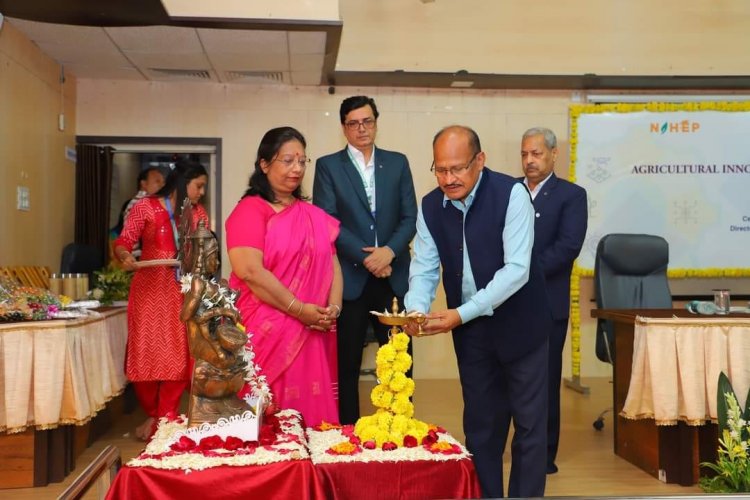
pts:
pixel 93 196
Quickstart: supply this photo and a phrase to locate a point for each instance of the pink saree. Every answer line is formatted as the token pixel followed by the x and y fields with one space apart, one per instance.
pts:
pixel 299 363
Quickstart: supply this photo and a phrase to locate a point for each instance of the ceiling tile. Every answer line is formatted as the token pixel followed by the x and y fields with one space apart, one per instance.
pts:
pixel 61 33
pixel 156 39
pixel 306 62
pixel 168 60
pixel 244 41
pixel 249 62
pixel 307 42
pixel 87 55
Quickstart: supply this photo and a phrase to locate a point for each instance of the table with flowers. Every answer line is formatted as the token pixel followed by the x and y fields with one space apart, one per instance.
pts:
pixel 55 373
pixel 389 454
pixel 287 461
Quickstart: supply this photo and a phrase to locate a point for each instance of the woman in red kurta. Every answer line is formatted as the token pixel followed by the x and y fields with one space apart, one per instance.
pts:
pixel 157 352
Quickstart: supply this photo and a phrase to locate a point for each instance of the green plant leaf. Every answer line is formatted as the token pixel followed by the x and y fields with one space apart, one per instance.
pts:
pixel 721 402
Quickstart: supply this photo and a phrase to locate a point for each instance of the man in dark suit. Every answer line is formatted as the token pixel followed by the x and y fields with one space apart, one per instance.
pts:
pixel 478 225
pixel 371 192
pixel 559 229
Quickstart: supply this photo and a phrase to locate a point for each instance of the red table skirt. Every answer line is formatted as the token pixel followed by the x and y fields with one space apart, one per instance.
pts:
pixel 295 479
pixel 399 480
pixel 302 480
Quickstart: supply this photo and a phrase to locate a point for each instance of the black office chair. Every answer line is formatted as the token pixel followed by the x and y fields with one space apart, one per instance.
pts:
pixel 81 258
pixel 630 272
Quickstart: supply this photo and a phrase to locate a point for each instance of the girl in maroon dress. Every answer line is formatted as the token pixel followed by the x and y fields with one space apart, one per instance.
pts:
pixel 157 352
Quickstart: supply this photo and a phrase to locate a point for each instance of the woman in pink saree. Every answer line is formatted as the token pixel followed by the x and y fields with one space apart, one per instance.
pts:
pixel 284 264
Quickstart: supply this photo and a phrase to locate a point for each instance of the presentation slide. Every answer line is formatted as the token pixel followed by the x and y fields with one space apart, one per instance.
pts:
pixel 683 175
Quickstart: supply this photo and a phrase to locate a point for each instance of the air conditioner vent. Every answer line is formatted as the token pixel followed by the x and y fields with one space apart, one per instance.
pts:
pixel 181 74
pixel 254 76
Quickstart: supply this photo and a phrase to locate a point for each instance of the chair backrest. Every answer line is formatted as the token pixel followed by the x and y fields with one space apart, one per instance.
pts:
pixel 80 258
pixel 630 272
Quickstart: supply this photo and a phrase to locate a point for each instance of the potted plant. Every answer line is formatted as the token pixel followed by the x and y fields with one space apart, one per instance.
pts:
pixel 732 467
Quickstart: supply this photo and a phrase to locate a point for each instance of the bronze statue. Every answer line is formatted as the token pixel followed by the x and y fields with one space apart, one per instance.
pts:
pixel 215 340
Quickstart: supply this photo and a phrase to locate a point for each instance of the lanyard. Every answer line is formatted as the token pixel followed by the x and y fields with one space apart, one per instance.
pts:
pixel 369 183
pixel 172 222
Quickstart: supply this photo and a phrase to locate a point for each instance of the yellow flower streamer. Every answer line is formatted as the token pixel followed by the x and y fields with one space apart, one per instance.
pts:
pixel 394 418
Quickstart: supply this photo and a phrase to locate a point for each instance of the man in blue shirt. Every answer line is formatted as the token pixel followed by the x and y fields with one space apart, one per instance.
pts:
pixel 479 226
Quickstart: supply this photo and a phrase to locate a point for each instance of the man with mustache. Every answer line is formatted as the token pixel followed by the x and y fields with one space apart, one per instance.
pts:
pixel 559 230
pixel 479 226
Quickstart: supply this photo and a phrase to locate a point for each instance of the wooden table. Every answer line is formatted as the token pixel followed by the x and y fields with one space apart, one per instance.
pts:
pixel 55 377
pixel 671 446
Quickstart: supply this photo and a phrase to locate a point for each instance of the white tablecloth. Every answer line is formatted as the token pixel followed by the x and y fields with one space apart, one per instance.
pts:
pixel 60 372
pixel 676 367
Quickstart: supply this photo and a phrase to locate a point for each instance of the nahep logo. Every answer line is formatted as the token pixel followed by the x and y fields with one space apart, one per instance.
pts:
pixel 681 127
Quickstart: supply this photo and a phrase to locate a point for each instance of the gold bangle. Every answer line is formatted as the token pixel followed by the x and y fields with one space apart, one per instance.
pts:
pixel 301 306
pixel 290 304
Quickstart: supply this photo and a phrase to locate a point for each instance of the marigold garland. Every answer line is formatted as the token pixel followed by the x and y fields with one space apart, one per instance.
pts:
pixel 393 423
pixel 575 111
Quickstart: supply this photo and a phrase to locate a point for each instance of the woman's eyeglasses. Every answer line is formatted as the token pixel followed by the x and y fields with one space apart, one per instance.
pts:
pixel 290 161
pixel 367 123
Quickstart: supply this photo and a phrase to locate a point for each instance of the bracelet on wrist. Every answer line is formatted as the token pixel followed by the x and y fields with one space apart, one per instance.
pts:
pixel 338 309
pixel 299 311
pixel 294 299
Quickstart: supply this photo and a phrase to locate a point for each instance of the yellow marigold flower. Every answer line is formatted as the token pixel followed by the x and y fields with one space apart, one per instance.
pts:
pixel 400 341
pixel 386 354
pixel 368 433
pixel 396 437
pixel 344 448
pixel 398 382
pixel 400 405
pixel 441 446
pixel 402 362
pixel 384 374
pixel 381 437
pixel 400 424
pixel 380 397
pixel 384 419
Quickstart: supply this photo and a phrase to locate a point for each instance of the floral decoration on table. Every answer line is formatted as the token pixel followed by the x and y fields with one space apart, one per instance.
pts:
pixel 111 284
pixel 23 303
pixel 337 444
pixel 394 419
pixel 732 467
pixel 281 439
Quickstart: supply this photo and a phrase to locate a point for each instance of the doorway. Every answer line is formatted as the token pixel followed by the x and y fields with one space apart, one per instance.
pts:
pixel 130 155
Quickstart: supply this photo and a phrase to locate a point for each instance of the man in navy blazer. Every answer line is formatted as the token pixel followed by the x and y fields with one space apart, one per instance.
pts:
pixel 371 192
pixel 559 229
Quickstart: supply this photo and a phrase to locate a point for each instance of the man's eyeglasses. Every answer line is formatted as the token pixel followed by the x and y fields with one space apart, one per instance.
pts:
pixel 367 123
pixel 454 171
pixel 289 161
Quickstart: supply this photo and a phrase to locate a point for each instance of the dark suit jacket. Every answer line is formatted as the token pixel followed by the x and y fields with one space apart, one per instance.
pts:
pixel 338 190
pixel 559 230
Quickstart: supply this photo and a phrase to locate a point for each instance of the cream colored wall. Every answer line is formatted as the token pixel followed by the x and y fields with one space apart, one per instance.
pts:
pixel 627 38
pixel 32 154
pixel 409 119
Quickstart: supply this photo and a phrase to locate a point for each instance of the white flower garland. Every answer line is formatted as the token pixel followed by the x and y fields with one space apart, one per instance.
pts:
pixel 290 445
